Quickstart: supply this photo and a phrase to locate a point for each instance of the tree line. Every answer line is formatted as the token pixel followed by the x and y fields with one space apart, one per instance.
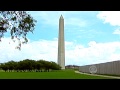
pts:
pixel 28 65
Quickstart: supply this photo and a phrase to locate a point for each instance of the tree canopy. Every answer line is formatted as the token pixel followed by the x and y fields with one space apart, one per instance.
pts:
pixel 19 23
pixel 28 65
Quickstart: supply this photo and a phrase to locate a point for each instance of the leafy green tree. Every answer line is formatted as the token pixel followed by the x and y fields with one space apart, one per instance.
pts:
pixel 55 66
pixel 4 66
pixel 43 62
pixel 22 66
pixel 10 65
pixel 16 66
pixel 39 66
pixel 33 64
pixel 18 23
pixel 48 65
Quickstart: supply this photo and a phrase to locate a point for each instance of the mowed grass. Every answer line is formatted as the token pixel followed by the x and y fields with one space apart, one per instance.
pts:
pixel 61 74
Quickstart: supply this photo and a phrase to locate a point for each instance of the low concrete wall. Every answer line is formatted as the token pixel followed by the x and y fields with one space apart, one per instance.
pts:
pixel 111 68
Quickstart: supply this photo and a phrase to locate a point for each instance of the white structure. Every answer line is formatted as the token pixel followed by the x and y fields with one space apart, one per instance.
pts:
pixel 61 44
pixel 110 68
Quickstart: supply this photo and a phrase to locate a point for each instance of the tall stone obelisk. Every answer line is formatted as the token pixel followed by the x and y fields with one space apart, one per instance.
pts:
pixel 61 44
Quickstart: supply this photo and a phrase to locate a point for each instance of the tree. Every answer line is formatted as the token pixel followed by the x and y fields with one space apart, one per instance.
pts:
pixel 38 66
pixel 4 67
pixel 29 66
pixel 19 23
pixel 55 66
pixel 48 65
pixel 11 65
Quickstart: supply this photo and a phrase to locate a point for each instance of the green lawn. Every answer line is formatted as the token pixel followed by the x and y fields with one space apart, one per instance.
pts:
pixel 62 74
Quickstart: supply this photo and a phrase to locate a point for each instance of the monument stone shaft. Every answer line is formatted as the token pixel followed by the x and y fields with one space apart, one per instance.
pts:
pixel 61 44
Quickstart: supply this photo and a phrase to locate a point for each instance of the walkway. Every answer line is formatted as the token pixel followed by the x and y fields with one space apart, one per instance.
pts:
pixel 98 75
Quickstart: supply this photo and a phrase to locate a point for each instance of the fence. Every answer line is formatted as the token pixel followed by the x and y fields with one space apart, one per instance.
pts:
pixel 110 68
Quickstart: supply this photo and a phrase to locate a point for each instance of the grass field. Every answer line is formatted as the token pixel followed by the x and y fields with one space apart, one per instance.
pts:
pixel 62 74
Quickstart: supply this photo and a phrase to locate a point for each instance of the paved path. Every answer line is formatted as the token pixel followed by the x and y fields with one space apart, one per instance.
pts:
pixel 98 75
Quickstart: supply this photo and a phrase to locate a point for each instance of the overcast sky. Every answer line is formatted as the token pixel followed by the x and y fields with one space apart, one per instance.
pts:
pixel 90 37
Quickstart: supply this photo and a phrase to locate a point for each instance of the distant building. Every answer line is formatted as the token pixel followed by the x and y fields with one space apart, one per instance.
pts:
pixel 72 67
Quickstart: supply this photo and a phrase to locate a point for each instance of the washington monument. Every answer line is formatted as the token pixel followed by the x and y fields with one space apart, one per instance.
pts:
pixel 61 44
